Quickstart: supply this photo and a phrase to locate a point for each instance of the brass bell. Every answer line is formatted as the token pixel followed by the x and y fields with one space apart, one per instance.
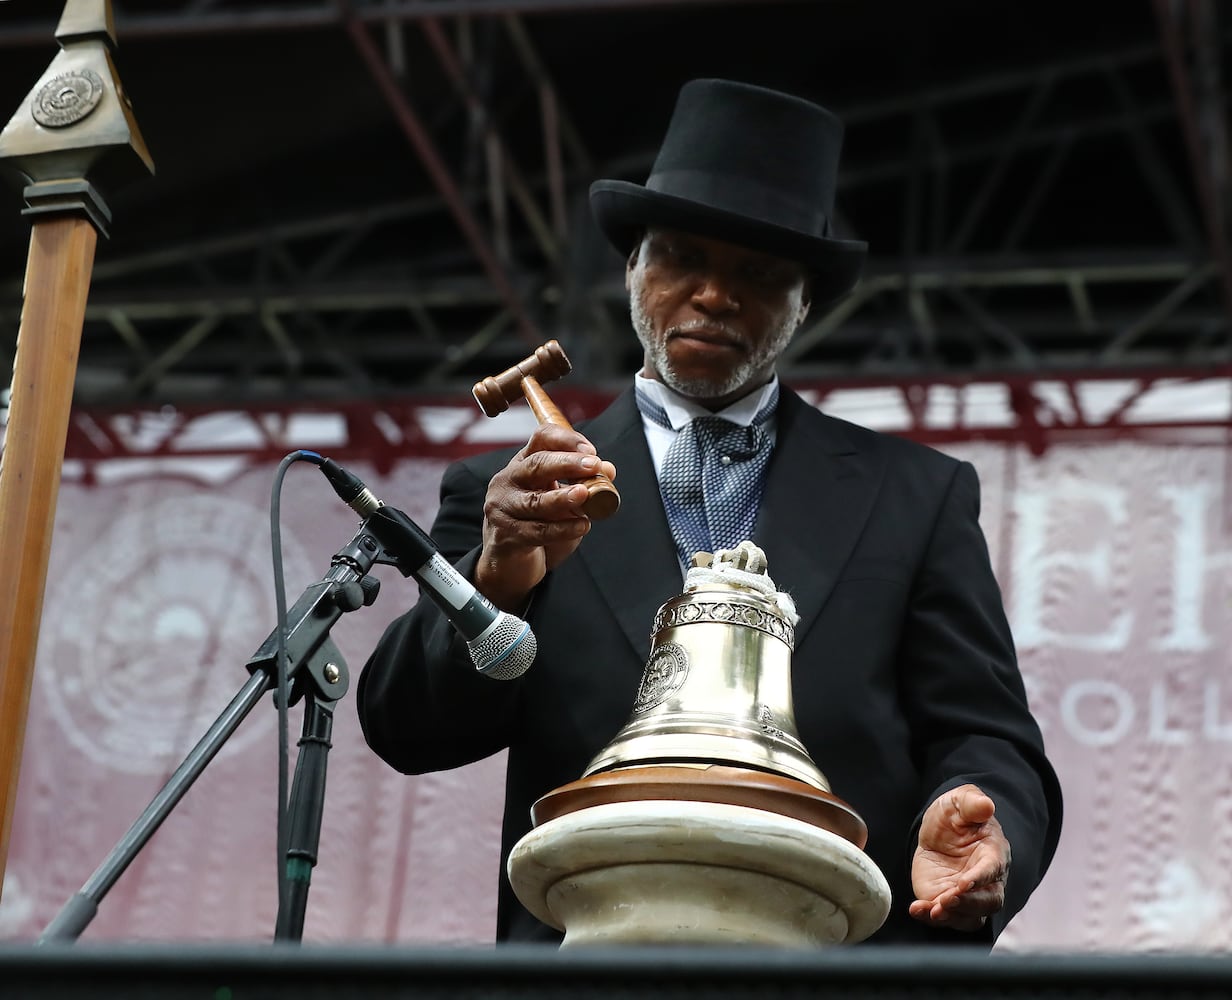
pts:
pixel 717 686
pixel 705 821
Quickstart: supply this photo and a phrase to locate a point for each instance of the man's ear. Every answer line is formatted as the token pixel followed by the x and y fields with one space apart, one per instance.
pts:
pixel 806 299
pixel 631 262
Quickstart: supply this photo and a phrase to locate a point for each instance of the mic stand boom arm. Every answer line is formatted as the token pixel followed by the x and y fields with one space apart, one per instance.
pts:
pixel 315 668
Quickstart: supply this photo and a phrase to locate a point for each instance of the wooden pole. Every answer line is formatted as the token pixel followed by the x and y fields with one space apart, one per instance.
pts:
pixel 75 130
pixel 57 280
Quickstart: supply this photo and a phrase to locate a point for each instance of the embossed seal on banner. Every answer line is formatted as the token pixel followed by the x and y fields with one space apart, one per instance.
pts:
pixel 67 98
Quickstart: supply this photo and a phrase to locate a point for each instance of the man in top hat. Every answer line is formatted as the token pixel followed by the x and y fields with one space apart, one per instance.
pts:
pixel 906 689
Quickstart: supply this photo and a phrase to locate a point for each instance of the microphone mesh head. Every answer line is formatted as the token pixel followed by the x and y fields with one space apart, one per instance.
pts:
pixel 506 650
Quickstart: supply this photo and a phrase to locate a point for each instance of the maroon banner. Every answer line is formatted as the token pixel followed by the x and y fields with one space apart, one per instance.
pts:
pixel 1109 524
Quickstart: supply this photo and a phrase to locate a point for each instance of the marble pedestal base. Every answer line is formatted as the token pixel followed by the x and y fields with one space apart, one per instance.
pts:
pixel 685 872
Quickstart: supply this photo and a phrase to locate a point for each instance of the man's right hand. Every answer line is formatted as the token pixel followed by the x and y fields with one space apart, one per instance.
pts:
pixel 532 518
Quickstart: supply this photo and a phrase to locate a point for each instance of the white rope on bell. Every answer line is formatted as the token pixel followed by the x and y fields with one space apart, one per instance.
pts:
pixel 744 566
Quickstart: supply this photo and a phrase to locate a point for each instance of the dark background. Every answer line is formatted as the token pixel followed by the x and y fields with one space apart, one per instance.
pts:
pixel 1037 191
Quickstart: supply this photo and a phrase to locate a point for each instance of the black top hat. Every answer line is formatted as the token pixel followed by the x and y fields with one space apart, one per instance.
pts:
pixel 745 165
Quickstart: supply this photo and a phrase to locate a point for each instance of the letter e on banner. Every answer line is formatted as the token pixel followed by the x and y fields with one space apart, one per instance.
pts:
pixel 1038 560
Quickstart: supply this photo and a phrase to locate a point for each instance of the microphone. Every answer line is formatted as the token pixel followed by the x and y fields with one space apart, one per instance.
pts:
pixel 501 645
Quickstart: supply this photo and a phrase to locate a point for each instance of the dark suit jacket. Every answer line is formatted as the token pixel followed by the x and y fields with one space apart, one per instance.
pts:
pixel 904 674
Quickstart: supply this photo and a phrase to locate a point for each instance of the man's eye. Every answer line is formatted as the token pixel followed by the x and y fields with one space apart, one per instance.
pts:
pixel 685 256
pixel 768 274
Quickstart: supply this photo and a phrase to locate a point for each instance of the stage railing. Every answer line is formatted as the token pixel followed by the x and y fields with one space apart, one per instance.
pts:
pixel 246 972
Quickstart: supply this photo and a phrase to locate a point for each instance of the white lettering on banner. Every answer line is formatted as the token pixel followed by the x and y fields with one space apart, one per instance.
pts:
pixel 1157 727
pixel 1212 728
pixel 1099 713
pixel 1122 719
pixel 1190 566
pixel 1035 562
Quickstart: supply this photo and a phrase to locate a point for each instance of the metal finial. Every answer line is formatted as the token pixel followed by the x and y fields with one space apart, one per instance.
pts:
pixel 74 138
pixel 84 19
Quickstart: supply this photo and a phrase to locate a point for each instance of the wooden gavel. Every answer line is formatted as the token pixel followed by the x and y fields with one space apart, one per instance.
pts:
pixel 496 392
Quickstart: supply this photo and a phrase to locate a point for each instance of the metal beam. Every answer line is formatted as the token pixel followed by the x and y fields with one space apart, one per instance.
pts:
pixel 517 185
pixel 420 138
pixel 198 20
pixel 1207 147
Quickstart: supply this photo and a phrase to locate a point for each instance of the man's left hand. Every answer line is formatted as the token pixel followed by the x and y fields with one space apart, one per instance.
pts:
pixel 962 861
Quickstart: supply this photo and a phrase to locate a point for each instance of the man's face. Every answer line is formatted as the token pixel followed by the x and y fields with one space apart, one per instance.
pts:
pixel 713 317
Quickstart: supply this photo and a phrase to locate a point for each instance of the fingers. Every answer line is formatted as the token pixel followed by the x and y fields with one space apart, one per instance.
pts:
pixel 962 861
pixel 983 878
pixel 964 806
pixel 972 896
pixel 955 921
pixel 989 871
pixel 534 517
pixel 542 470
pixel 534 512
pixel 957 820
pixel 961 910
pixel 556 455
pixel 970 806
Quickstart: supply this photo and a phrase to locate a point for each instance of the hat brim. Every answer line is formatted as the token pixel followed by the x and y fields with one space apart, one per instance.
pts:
pixel 623 210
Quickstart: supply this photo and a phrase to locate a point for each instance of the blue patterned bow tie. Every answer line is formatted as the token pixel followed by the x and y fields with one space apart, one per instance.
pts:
pixel 712 478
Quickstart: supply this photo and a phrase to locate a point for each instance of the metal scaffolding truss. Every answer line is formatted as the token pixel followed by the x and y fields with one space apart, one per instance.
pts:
pixel 1067 215
pixel 146 19
pixel 1035 411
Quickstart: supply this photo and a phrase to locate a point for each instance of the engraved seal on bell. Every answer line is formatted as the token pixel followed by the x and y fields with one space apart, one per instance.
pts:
pixel 663 676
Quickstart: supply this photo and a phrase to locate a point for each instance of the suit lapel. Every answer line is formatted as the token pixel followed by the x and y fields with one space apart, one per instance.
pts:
pixel 631 556
pixel 820 488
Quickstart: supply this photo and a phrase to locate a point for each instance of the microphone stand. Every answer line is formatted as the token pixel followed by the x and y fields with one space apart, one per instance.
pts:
pixel 315 671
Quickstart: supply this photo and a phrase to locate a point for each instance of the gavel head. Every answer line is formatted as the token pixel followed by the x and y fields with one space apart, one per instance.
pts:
pixel 496 392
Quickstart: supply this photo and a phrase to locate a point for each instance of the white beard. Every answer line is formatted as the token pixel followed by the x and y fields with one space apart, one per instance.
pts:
pixel 706 388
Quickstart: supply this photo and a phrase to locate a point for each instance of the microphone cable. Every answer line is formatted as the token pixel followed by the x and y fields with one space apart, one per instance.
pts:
pixel 283 694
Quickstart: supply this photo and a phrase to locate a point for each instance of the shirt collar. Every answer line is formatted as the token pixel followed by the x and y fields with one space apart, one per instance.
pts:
pixel 681 410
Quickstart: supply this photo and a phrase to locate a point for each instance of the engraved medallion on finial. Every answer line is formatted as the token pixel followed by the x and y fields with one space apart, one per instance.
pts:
pixel 67 99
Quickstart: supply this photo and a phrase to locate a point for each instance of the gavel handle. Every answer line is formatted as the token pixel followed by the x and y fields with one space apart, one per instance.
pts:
pixel 546 412
pixel 603 500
